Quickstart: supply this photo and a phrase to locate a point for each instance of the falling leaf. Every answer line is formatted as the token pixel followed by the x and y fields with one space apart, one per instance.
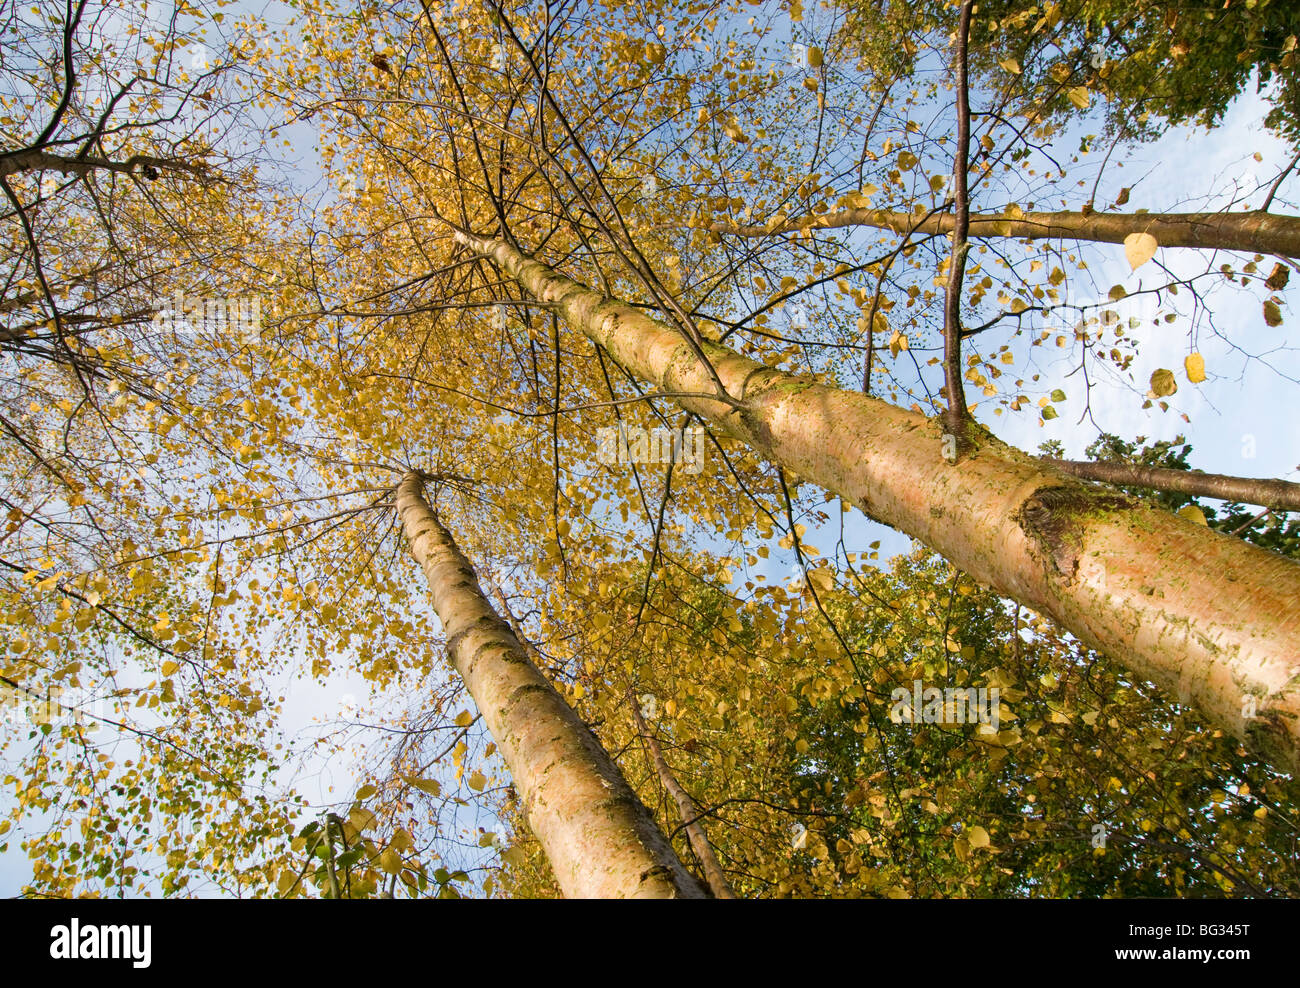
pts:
pixel 1163 383
pixel 1194 364
pixel 1139 248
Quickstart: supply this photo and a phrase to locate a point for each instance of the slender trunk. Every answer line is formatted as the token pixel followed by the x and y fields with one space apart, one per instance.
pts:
pixel 1207 616
pixel 689 810
pixel 1280 494
pixel 1262 233
pixel 957 414
pixel 600 839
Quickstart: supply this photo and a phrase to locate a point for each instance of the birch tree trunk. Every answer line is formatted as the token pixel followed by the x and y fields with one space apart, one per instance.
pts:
pixel 600 839
pixel 1208 617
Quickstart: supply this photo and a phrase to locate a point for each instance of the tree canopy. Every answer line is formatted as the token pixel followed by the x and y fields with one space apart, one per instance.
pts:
pixel 745 373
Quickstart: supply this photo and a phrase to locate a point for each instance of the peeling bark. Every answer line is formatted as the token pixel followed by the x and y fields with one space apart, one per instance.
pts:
pixel 600 839
pixel 1207 616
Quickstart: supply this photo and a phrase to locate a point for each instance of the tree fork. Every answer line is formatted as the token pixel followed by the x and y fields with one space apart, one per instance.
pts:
pixel 600 839
pixel 1208 617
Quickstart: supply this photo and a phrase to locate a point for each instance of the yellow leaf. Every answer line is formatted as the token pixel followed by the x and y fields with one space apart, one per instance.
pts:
pixel 1139 248
pixel 429 786
pixel 390 861
pixel 1194 364
pixel 361 818
pixel 1010 65
pixel 978 837
pixel 1272 313
pixel 464 719
pixel 1193 514
pixel 477 781
pixel 1080 97
pixel 1163 383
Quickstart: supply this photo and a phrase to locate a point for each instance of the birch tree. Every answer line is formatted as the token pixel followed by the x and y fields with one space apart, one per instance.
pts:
pixel 600 840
